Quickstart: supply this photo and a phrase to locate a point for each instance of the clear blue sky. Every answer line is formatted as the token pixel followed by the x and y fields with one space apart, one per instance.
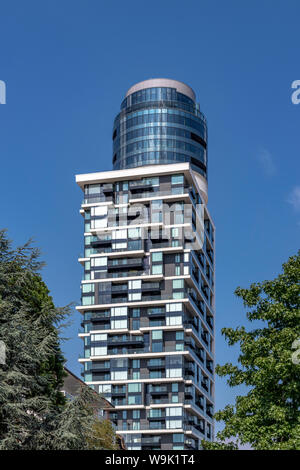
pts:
pixel 67 65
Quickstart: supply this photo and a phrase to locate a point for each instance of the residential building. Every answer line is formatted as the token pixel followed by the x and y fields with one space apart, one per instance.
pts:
pixel 148 301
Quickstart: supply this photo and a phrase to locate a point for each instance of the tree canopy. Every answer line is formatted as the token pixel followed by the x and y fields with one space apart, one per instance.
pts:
pixel 34 414
pixel 268 416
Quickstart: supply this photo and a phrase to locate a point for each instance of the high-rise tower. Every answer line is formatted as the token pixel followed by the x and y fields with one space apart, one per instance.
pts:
pixel 148 286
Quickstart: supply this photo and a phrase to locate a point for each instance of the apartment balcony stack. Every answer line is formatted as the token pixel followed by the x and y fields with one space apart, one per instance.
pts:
pixel 147 294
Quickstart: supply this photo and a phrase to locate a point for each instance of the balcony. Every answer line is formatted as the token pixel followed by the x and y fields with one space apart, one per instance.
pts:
pixel 140 184
pixel 129 340
pixel 124 262
pixel 155 440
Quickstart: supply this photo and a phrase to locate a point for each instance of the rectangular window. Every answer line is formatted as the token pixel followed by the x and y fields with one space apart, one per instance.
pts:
pixel 178 283
pixel 134 233
pixel 134 388
pixel 157 256
pixel 99 337
pixel 157 269
pixel 171 321
pixel 88 300
pixel 119 375
pixel 174 411
pixel 87 288
pixel 99 351
pixel 173 373
pixel 99 211
pixel 134 284
pixel 99 261
pixel 134 400
pixel 174 424
pixel 118 324
pixel 93 188
pixel 177 179
pixel 157 334
pixel 174 307
pixel 118 311
pixel 135 296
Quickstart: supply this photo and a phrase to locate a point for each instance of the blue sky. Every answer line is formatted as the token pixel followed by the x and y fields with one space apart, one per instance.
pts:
pixel 67 65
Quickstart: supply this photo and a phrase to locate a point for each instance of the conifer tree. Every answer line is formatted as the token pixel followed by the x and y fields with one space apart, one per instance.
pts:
pixel 33 412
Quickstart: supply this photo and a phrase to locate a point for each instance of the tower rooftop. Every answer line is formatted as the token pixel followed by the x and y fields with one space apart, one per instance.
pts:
pixel 161 83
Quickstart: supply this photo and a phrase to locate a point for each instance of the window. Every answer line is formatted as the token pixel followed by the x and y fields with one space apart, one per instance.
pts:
pixel 99 223
pixel 89 300
pixel 155 374
pixel 87 288
pixel 99 337
pixel 178 438
pixel 174 411
pixel 177 179
pixel 178 283
pixel 104 388
pixel 155 413
pixel 99 351
pixel 136 425
pixel 93 188
pixel 134 400
pixel 99 211
pixel 99 261
pixel 135 296
pixel 134 233
pixel 134 388
pixel 118 324
pixel 179 336
pixel 157 204
pixel 118 311
pixel 177 271
pixel 134 284
pixel 136 414
pixel 157 334
pixel 174 424
pixel 157 256
pixel 186 270
pixel 118 375
pixel 174 307
pixel 174 372
pixel 136 363
pixel 157 269
pixel 171 321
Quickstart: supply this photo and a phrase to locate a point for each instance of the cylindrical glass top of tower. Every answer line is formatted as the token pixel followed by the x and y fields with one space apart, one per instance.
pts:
pixel 159 123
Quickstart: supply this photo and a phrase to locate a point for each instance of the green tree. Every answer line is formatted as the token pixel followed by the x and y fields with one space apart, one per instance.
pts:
pixel 268 416
pixel 33 412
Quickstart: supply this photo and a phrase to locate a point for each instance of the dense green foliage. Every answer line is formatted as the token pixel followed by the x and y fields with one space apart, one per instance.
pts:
pixel 268 417
pixel 33 412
